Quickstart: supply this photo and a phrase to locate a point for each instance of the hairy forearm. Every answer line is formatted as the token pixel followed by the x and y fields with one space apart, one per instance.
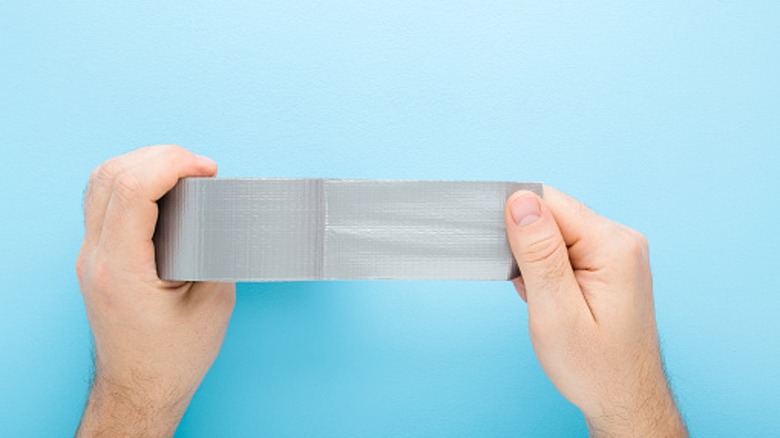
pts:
pixel 119 410
pixel 651 413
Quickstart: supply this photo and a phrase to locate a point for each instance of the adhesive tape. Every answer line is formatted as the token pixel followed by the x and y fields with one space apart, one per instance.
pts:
pixel 260 229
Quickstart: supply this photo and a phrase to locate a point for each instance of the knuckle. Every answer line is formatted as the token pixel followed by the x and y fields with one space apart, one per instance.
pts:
pixel 580 209
pixel 105 173
pixel 94 272
pixel 541 249
pixel 80 267
pixel 160 149
pixel 628 247
pixel 94 176
pixel 127 186
pixel 173 156
pixel 635 244
pixel 174 150
pixel 643 242
pixel 100 275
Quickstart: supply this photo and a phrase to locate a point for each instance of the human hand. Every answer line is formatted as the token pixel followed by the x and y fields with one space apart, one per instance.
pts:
pixel 589 291
pixel 154 340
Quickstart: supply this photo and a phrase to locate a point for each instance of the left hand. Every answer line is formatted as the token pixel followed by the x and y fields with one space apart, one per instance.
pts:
pixel 154 340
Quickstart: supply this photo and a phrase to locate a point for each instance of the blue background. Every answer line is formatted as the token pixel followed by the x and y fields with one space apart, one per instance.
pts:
pixel 662 115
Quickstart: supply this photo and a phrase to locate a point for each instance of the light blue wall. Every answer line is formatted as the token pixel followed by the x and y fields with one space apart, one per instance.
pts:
pixel 661 115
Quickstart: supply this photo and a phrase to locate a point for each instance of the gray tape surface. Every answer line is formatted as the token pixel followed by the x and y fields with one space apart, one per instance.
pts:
pixel 245 229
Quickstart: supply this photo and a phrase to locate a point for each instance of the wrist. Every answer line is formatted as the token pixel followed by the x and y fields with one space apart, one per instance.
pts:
pixel 651 412
pixel 139 408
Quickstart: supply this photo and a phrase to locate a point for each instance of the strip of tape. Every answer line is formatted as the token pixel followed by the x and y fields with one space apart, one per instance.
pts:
pixel 246 229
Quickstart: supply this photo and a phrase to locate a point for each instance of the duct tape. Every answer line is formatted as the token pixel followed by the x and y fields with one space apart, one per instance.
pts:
pixel 247 229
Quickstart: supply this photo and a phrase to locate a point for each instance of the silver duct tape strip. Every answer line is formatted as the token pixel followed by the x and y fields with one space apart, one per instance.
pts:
pixel 228 229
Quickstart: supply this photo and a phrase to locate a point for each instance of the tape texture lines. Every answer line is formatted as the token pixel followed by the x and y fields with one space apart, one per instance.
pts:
pixel 247 229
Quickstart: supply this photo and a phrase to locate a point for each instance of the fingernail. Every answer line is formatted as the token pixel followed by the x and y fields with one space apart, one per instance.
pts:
pixel 525 209
pixel 207 161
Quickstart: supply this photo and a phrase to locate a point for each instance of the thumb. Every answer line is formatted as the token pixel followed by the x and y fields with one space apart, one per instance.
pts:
pixel 541 254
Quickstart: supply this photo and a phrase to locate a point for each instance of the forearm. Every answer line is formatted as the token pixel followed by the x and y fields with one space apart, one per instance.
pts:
pixel 650 413
pixel 117 410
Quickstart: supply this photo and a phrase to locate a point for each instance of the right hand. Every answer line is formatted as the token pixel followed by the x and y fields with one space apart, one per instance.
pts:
pixel 589 291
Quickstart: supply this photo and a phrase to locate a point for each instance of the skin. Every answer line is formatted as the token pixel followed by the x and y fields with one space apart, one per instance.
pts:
pixel 154 340
pixel 589 291
pixel 586 280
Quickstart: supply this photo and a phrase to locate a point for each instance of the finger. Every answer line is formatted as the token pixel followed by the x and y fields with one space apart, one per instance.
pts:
pixel 211 294
pixel 551 288
pixel 98 193
pixel 605 256
pixel 131 215
pixel 589 237
pixel 520 288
